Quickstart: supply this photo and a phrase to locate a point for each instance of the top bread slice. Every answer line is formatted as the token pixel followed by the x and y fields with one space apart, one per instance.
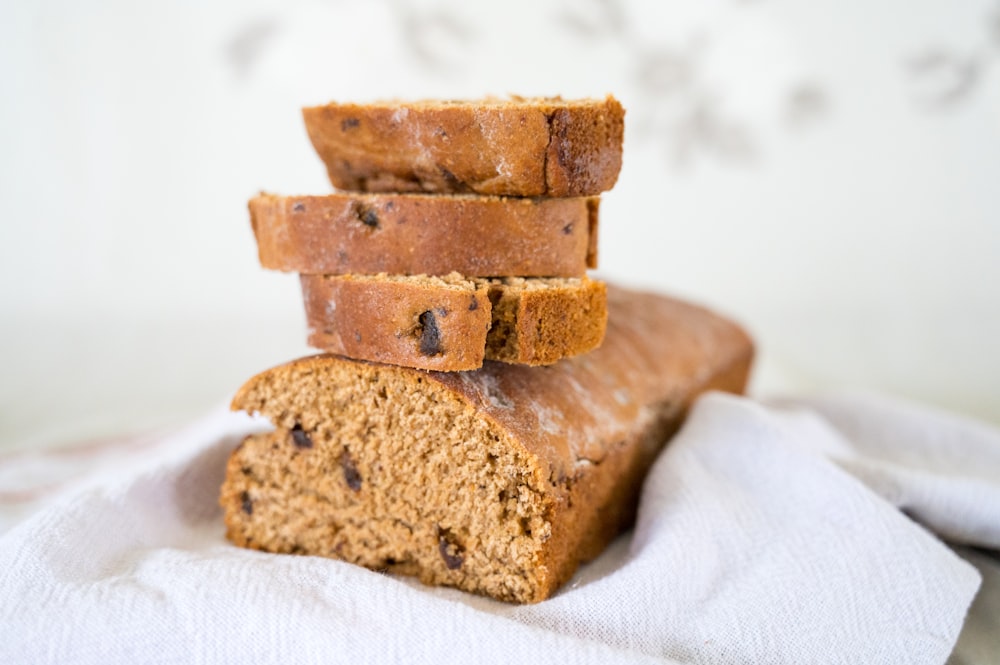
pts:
pixel 510 147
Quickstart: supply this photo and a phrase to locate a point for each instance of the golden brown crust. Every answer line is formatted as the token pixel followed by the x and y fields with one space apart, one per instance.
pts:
pixel 517 147
pixel 412 234
pixel 519 474
pixel 452 323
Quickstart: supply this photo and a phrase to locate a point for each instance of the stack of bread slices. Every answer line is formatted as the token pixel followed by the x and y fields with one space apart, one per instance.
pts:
pixel 484 413
pixel 461 232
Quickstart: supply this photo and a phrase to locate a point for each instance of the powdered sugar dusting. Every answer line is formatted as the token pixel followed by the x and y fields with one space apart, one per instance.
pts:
pixel 549 420
pixel 488 388
pixel 399 115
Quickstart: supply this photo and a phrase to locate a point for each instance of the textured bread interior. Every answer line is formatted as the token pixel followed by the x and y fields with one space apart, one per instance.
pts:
pixel 569 314
pixel 426 488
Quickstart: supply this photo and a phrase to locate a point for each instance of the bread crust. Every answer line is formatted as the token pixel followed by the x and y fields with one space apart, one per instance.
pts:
pixel 516 147
pixel 412 234
pixel 582 434
pixel 453 323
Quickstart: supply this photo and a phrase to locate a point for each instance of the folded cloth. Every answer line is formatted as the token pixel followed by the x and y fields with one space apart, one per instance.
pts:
pixel 766 534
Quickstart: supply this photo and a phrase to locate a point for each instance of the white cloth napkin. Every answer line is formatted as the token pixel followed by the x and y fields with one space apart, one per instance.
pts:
pixel 766 534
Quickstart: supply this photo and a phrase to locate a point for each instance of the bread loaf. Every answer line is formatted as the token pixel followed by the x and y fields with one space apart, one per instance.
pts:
pixel 499 481
pixel 411 234
pixel 452 322
pixel 513 147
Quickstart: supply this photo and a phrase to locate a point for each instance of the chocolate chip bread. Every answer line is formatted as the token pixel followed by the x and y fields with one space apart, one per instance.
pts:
pixel 510 147
pixel 411 234
pixel 453 323
pixel 499 481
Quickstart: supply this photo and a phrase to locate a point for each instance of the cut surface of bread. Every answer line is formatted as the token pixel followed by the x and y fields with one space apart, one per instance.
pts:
pixel 499 481
pixel 453 323
pixel 513 147
pixel 412 234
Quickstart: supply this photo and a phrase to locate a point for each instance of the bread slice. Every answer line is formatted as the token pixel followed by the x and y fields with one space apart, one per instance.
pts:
pixel 411 234
pixel 499 481
pixel 510 147
pixel 452 323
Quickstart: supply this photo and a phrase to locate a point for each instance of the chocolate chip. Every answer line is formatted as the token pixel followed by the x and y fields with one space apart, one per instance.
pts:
pixel 568 228
pixel 351 475
pixel 298 206
pixel 366 215
pixel 474 305
pixel 349 123
pixel 454 184
pixel 450 551
pixel 430 335
pixel 247 503
pixel 300 438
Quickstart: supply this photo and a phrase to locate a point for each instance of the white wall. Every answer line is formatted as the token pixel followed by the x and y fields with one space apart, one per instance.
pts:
pixel 825 172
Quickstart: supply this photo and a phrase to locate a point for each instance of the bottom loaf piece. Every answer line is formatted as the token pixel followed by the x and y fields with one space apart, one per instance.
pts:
pixel 499 481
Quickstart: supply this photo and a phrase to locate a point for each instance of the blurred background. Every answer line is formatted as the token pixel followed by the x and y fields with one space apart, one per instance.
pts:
pixel 827 174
